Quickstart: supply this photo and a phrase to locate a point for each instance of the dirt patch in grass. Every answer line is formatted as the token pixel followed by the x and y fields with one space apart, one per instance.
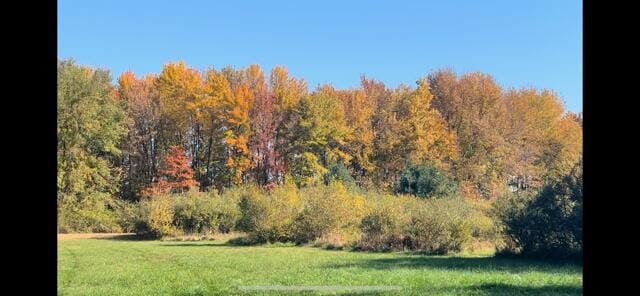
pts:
pixel 67 236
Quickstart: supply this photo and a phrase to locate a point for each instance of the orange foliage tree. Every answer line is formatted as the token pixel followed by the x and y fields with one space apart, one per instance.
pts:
pixel 175 173
pixel 236 117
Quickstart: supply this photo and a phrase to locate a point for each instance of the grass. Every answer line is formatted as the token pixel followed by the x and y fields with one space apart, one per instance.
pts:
pixel 143 267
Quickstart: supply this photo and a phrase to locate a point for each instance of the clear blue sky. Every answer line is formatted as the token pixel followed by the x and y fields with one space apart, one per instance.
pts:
pixel 520 43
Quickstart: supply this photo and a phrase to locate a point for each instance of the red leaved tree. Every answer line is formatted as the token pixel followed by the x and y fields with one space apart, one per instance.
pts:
pixel 175 173
pixel 262 141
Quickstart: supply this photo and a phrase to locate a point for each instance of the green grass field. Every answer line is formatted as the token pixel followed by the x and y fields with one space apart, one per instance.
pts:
pixel 127 267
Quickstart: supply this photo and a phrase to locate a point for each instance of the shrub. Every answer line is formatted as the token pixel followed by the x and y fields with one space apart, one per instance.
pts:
pixel 284 205
pixel 190 213
pixel 549 225
pixel 338 172
pixel 439 226
pixel 381 227
pixel 91 213
pixel 483 225
pixel 126 213
pixel 253 209
pixel 434 226
pixel 329 216
pixel 226 212
pixel 287 213
pixel 381 232
pixel 196 213
pixel 505 210
pixel 268 217
pixel 328 210
pixel 156 216
pixel 426 181
pixel 378 223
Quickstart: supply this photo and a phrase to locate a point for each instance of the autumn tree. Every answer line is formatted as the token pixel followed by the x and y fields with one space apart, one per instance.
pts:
pixel 316 133
pixel 359 110
pixel 250 143
pixel 175 174
pixel 562 148
pixel 236 118
pixel 473 108
pixel 408 130
pixel 262 140
pixel 287 92
pixel 223 123
pixel 544 141
pixel 263 124
pixel 235 77
pixel 425 133
pixel 212 170
pixel 140 158
pixel 181 92
pixel 255 80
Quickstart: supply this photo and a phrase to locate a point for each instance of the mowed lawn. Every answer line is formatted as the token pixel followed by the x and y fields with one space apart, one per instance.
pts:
pixel 129 267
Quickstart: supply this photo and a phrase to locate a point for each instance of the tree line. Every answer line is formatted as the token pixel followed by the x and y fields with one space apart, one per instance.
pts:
pixel 234 126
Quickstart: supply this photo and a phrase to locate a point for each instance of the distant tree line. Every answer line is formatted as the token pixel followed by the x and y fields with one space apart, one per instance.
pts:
pixel 235 126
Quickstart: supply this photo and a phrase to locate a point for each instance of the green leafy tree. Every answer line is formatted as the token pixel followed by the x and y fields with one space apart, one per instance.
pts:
pixel 426 181
pixel 90 126
pixel 316 135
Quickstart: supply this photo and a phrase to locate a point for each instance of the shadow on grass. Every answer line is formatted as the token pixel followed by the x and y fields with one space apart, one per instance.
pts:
pixel 129 237
pixel 463 263
pixel 235 242
pixel 485 289
pixel 505 289
pixel 358 293
pixel 187 244
pixel 226 244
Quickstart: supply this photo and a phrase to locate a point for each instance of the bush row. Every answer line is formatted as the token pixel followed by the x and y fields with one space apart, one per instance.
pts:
pixel 546 224
pixel 189 213
pixel 95 212
pixel 329 216
pixel 434 226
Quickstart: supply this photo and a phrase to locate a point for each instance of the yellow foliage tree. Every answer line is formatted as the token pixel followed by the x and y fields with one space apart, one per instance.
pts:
pixel 534 119
pixel 236 116
pixel 359 112
pixel 409 130
pixel 180 88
